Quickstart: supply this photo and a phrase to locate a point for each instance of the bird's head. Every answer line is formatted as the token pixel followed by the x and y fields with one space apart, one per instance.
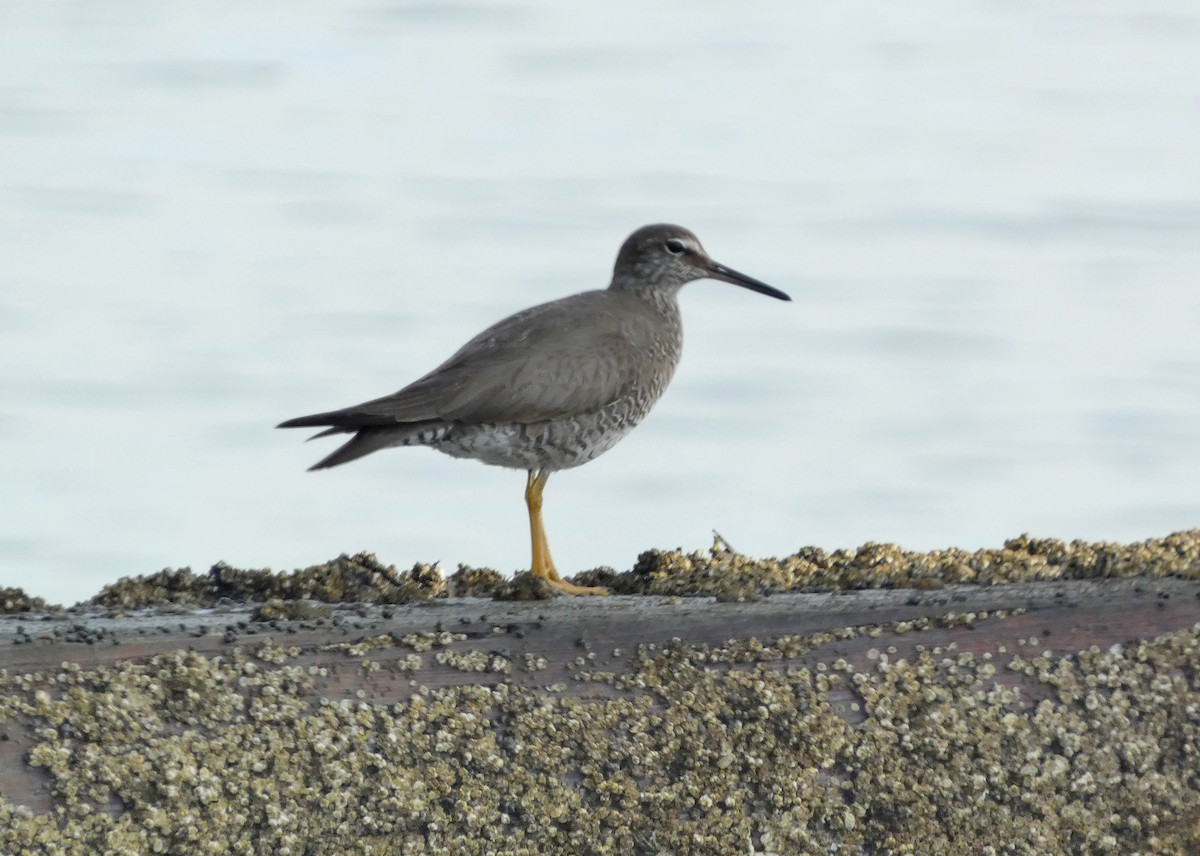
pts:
pixel 663 258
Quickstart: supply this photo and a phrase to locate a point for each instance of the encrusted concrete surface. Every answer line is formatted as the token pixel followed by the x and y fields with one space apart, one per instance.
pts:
pixel 1058 716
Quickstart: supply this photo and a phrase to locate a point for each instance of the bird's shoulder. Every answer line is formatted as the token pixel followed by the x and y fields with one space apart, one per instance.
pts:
pixel 577 324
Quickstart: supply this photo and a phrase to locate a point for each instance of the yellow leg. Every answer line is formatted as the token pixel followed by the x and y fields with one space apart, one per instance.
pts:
pixel 543 564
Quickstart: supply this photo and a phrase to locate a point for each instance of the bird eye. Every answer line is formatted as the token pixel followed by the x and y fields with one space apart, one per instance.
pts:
pixel 675 246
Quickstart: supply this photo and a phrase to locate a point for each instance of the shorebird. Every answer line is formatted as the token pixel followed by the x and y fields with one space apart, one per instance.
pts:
pixel 551 387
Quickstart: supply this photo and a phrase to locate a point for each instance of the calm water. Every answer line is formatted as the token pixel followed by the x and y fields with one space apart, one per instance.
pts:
pixel 217 216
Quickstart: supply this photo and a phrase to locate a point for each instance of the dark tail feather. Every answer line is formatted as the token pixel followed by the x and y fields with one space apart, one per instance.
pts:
pixel 319 420
pixel 316 420
pixel 327 432
pixel 372 439
pixel 364 442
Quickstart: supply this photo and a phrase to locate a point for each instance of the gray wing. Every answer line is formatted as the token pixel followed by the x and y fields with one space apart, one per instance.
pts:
pixel 570 356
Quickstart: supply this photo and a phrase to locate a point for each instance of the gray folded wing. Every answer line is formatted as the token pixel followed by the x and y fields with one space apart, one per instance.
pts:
pixel 567 357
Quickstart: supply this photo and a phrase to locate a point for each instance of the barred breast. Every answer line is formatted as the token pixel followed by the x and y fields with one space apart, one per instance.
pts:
pixel 560 444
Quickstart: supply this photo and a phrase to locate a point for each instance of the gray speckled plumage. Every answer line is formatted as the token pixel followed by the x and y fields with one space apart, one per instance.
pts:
pixel 553 386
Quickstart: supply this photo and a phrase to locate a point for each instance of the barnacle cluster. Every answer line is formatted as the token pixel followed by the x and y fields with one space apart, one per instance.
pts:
pixel 361 578
pixel 14 601
pixel 677 748
pixel 719 572
pixel 732 576
pixel 474 661
pixel 276 609
pixel 430 640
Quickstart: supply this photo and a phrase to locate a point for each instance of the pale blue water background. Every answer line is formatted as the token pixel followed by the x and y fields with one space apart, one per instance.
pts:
pixel 216 216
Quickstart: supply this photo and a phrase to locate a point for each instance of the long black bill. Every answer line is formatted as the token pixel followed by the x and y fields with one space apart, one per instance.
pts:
pixel 716 271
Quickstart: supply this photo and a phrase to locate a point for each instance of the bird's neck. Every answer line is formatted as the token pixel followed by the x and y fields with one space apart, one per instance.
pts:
pixel 663 298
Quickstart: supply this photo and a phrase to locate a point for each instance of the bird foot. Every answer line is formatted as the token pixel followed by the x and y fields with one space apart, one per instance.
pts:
pixel 570 588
